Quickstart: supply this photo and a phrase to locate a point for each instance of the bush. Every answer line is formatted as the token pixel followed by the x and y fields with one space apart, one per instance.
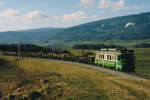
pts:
pixel 34 95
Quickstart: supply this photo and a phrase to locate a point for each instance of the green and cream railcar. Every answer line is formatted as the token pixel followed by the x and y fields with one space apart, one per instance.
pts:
pixel 123 60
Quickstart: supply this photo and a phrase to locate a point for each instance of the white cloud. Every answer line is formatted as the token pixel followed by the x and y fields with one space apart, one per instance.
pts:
pixel 1 2
pixel 12 19
pixel 119 5
pixel 94 16
pixel 35 16
pixel 87 3
pixel 102 12
pixel 16 15
pixel 110 4
pixel 10 14
pixel 3 23
pixel 79 15
pixel 125 8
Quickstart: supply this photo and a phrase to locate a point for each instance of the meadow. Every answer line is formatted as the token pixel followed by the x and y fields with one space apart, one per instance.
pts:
pixel 142 60
pixel 35 79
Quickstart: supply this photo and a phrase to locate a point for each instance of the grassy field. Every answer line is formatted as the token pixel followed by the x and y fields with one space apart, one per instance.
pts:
pixel 34 79
pixel 143 60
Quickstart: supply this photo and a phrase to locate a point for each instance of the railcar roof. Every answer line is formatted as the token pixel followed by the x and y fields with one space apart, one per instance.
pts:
pixel 110 50
pixel 114 50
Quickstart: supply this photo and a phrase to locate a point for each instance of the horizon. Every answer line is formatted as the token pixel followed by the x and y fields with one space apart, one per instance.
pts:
pixel 16 15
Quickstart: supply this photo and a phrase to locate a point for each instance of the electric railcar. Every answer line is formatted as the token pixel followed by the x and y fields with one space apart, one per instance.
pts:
pixel 123 60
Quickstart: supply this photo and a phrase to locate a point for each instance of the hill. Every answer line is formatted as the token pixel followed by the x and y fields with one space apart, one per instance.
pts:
pixel 36 79
pixel 33 36
pixel 131 27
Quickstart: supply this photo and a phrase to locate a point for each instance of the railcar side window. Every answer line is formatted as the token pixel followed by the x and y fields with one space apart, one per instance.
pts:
pixel 110 57
pixel 107 57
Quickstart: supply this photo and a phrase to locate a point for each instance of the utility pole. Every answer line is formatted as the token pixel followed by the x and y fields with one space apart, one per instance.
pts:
pixel 101 44
pixel 110 41
pixel 52 52
pixel 82 45
pixel 82 48
pixel 18 50
pixel 62 44
pixel 79 45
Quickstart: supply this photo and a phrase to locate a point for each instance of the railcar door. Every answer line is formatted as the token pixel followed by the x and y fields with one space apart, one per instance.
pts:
pixel 119 62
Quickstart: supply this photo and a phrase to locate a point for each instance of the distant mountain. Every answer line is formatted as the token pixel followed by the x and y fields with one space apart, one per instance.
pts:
pixel 33 36
pixel 132 27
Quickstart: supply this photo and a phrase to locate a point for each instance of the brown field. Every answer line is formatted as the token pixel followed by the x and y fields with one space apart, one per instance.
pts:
pixel 34 79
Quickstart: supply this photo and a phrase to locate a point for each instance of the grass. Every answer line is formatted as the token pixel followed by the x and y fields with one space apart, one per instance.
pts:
pixel 143 60
pixel 36 79
pixel 8 69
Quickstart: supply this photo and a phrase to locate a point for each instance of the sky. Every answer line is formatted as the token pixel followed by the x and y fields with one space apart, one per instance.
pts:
pixel 31 14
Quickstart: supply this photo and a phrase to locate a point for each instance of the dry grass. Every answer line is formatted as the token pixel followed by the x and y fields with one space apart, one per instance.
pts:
pixel 45 80
pixel 142 60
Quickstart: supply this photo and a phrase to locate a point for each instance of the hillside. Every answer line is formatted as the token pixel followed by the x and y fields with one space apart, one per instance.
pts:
pixel 36 79
pixel 131 27
pixel 35 36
